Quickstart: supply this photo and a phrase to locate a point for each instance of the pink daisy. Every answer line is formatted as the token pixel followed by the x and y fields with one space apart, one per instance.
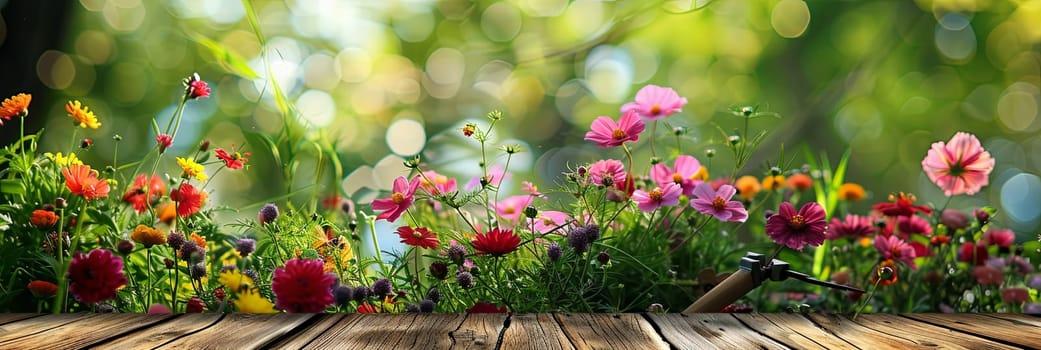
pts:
pixel 683 173
pixel 511 208
pixel 892 247
pixel 959 166
pixel 999 237
pixel 607 169
pixel 549 220
pixel 435 183
pixel 401 198
pixel 668 195
pixel 853 226
pixel 717 203
pixel 797 229
pixel 606 133
pixel 496 175
pixel 655 102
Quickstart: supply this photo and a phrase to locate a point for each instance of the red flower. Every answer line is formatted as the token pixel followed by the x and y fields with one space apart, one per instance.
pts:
pixel 1015 295
pixel 366 308
pixel 885 273
pixel 302 286
pixel 139 197
pixel 189 200
pixel 988 275
pixel 43 289
pixel 999 237
pixel 797 229
pixel 195 305
pixel 496 242
pixel 901 204
pixel 84 182
pixel 418 237
pixel 164 142
pixel 43 218
pixel 486 308
pixel 233 160
pixel 96 276
pixel 198 88
pixel 973 253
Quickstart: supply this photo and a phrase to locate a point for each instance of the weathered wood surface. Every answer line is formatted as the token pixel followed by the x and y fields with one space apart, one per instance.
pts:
pixel 520 331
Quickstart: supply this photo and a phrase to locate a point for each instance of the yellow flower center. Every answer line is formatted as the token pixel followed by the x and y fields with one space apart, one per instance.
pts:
pixel 719 203
pixel 397 198
pixel 797 222
pixel 417 234
pixel 677 178
pixel 655 195
pixel 618 134
pixel 655 110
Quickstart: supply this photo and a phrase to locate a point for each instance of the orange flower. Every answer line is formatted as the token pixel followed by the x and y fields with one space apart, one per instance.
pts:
pixel 199 241
pixel 43 218
pixel 82 115
pixel 189 200
pixel 166 212
pixel 800 182
pixel 81 180
pixel 148 236
pixel 885 273
pixel 14 106
pixel 43 289
pixel 747 186
pixel 851 192
pixel 773 182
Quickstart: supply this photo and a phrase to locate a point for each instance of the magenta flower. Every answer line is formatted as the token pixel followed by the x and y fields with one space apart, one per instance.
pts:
pixel 606 133
pixel 999 237
pixel 511 208
pixel 717 203
pixel 892 247
pixel 655 102
pixel 683 173
pixel 95 276
pixel 435 183
pixel 496 175
pixel 607 173
pixel 668 195
pixel 303 286
pixel 401 198
pixel 796 229
pixel 853 226
pixel 549 220
pixel 959 166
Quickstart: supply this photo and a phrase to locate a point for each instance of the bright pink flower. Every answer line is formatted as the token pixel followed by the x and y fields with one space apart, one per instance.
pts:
pixel 684 173
pixel 496 175
pixel 853 226
pixel 436 184
pixel 999 237
pixel 533 190
pixel 606 133
pixel 607 169
pixel 655 102
pixel 959 166
pixel 665 196
pixel 303 286
pixel 718 203
pixel 95 276
pixel 511 208
pixel 198 89
pixel 914 224
pixel 403 193
pixel 164 142
pixel 549 220
pixel 796 229
pixel 892 247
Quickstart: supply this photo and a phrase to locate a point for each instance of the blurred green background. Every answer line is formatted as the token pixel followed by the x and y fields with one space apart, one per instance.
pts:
pixel 385 80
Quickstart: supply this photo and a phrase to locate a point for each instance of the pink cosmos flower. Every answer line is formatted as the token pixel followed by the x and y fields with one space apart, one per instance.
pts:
pixel 684 173
pixel 959 166
pixel 892 247
pixel 654 102
pixel 435 183
pixel 718 203
pixel 401 198
pixel 549 220
pixel 914 224
pixel 531 189
pixel 511 208
pixel 496 175
pixel 853 226
pixel 607 169
pixel 796 229
pixel 668 195
pixel 606 133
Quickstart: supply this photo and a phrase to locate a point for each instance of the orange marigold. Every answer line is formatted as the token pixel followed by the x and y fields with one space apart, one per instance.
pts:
pixel 800 182
pixel 43 218
pixel 851 192
pixel 747 186
pixel 14 106
pixel 199 241
pixel 167 212
pixel 82 115
pixel 773 182
pixel 148 236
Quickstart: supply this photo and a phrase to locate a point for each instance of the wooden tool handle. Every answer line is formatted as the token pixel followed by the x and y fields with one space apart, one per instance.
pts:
pixel 734 287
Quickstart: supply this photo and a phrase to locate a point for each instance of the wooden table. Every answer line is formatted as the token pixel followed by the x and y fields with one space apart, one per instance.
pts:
pixel 519 331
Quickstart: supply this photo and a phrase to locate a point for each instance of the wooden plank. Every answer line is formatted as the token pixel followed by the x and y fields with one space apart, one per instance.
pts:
pixel 479 331
pixel 86 331
pixel 792 330
pixel 924 334
pixel 535 331
pixel 241 331
pixel 1011 332
pixel 162 333
pixel 298 340
pixel 8 318
pixel 401 331
pixel 610 331
pixel 715 330
pixel 1030 320
pixel 26 327
pixel 854 333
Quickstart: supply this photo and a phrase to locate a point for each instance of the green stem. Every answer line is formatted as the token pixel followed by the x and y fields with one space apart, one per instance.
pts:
pixel 375 242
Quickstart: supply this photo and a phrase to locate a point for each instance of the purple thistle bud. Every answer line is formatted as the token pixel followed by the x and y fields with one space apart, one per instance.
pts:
pixel 457 253
pixel 603 257
pixel 125 247
pixel 175 240
pixel 426 306
pixel 465 280
pixel 361 293
pixel 434 295
pixel 268 214
pixel 554 252
pixel 577 240
pixel 381 287
pixel 439 269
pixel 198 271
pixel 246 246
pixel 413 308
pixel 343 295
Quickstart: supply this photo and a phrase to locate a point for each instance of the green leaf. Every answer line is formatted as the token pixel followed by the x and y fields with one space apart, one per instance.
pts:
pixel 230 60
pixel 12 186
pixel 103 218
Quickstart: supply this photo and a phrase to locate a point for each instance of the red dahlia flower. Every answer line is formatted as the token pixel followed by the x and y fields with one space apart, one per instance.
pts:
pixel 497 242
pixel 96 276
pixel 302 286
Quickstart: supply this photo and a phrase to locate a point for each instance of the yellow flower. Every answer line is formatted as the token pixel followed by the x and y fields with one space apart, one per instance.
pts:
pixel 82 115
pixel 62 161
pixel 148 236
pixel 747 186
pixel 701 174
pixel 235 281
pixel 252 303
pixel 191 168
pixel 773 182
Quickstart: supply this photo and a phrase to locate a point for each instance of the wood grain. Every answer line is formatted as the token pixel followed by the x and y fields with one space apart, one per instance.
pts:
pixel 479 331
pixel 401 331
pixel 610 331
pixel 1020 332
pixel 535 331
pixel 162 333
pixel 716 330
pixel 924 334
pixel 85 331
pixel 240 331
pixel 793 330
pixel 27 327
pixel 8 318
pixel 844 328
pixel 298 340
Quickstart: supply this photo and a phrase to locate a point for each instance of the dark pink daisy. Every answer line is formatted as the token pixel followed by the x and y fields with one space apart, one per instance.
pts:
pixel 797 229
pixel 853 226
pixel 607 172
pixel 892 247
pixel 654 102
pixel 403 193
pixel 604 132
pixel 665 196
pixel 717 203
pixel 999 237
pixel 302 286
pixel 96 276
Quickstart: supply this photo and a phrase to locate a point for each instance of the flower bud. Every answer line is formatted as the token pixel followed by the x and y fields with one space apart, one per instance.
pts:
pixel 86 143
pixel 125 247
pixel 531 212
pixel 603 257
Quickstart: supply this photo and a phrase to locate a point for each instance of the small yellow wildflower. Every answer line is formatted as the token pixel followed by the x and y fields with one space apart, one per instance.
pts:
pixel 235 281
pixel 61 160
pixel 773 182
pixel 191 168
pixel 252 303
pixel 82 115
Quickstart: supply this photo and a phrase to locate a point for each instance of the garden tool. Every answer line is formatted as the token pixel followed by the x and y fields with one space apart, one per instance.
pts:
pixel 751 273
